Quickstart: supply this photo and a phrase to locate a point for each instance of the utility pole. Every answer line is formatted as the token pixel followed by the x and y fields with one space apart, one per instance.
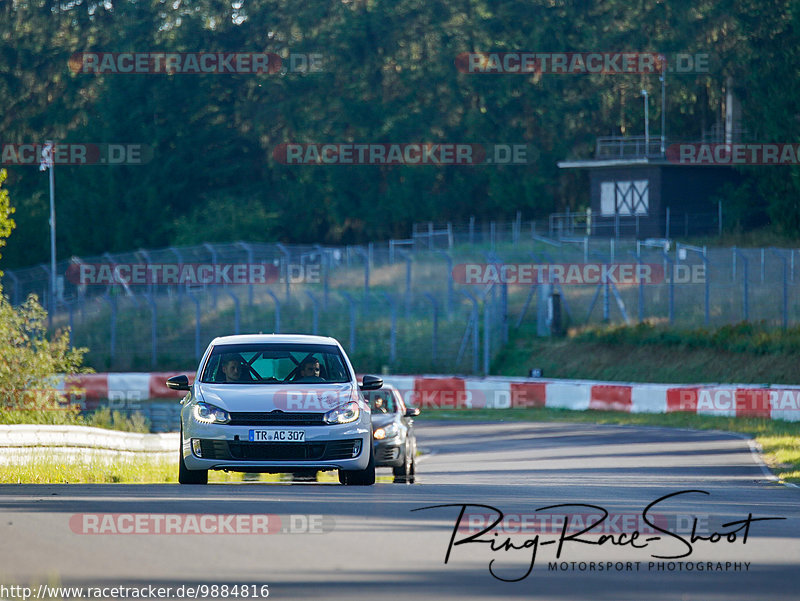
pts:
pixel 646 125
pixel 46 163
pixel 663 78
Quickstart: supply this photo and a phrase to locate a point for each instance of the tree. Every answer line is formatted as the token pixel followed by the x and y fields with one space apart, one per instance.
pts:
pixel 29 361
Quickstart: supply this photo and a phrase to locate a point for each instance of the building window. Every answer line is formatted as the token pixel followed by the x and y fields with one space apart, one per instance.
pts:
pixel 626 198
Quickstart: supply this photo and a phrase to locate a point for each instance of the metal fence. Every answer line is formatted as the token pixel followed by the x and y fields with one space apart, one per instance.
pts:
pixel 408 305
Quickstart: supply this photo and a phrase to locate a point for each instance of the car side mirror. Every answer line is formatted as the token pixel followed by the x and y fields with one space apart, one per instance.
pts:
pixel 371 383
pixel 412 411
pixel 179 383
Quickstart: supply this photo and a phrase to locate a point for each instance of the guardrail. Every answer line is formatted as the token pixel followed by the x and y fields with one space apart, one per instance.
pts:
pixel 21 443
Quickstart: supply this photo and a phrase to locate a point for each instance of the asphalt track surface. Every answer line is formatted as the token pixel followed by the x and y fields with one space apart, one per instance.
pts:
pixel 368 543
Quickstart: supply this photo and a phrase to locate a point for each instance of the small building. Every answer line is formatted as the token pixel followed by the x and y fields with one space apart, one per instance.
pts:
pixel 637 189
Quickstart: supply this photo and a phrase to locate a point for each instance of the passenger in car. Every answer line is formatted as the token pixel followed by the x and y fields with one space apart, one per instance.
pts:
pixel 309 370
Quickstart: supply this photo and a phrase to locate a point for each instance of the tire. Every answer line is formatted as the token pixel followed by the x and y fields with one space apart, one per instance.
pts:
pixel 406 473
pixel 403 473
pixel 365 477
pixel 187 476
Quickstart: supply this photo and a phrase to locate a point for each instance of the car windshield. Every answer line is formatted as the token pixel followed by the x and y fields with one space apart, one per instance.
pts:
pixel 275 363
pixel 381 401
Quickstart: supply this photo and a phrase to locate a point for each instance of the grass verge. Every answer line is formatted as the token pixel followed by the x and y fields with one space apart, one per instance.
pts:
pixel 779 440
pixel 742 353
pixel 44 470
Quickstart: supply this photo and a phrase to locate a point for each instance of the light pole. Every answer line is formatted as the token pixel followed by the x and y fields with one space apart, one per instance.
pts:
pixel 663 78
pixel 47 162
pixel 646 125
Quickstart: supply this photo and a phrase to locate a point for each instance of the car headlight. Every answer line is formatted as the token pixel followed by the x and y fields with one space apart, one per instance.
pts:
pixel 209 414
pixel 343 414
pixel 389 431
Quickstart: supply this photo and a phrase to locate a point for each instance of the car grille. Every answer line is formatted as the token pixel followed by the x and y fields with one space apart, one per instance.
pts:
pixel 278 451
pixel 275 418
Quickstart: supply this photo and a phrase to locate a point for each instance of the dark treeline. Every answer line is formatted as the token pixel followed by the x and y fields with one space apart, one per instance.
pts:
pixel 389 76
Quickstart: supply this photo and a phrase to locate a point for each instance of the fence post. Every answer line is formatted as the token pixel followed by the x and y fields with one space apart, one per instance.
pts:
pixel 277 311
pixel 153 328
pixel 112 303
pixel 214 285
pixel 435 335
pixel 449 260
pixel 785 306
pixel 475 333
pixel 352 303
pixel 287 259
pixel 196 302
pixel 745 291
pixel 236 312
pixel 393 330
pixel 365 255
pixel 486 333
pixel 671 270
pixel 315 309
pixel 249 250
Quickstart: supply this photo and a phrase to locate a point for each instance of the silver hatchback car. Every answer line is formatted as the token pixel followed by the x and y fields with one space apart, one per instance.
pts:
pixel 276 403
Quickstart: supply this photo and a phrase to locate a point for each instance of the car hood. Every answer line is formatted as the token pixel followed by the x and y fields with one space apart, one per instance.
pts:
pixel 314 398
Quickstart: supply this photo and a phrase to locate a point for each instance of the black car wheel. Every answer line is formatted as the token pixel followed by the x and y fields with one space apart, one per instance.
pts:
pixel 365 477
pixel 187 476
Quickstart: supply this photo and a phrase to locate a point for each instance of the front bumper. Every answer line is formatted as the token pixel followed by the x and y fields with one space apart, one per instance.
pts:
pixel 389 453
pixel 224 447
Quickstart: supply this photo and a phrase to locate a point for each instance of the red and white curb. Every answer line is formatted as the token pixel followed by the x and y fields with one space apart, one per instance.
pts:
pixel 455 392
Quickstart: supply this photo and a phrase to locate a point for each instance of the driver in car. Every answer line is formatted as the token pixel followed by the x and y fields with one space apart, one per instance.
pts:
pixel 233 369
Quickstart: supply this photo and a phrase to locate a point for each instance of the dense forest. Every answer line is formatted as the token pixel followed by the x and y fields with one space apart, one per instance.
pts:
pixel 387 73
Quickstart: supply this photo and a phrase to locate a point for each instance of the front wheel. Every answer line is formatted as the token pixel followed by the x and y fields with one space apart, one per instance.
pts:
pixel 365 477
pixel 187 476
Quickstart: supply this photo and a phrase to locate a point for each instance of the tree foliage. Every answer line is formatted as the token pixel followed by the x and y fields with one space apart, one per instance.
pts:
pixel 389 76
pixel 29 361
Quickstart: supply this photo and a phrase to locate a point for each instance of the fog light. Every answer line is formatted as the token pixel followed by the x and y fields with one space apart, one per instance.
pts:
pixel 196 449
pixel 357 448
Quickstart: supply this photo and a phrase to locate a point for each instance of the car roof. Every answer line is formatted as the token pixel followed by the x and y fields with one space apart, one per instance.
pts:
pixel 274 339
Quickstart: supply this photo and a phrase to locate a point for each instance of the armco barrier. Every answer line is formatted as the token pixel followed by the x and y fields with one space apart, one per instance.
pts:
pixel 24 442
pixel 453 392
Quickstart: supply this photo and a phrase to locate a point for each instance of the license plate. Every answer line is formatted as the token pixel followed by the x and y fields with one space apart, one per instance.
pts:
pixel 277 436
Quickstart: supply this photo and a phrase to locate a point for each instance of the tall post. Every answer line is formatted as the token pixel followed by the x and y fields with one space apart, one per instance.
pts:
pixel 47 162
pixel 663 79
pixel 646 125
